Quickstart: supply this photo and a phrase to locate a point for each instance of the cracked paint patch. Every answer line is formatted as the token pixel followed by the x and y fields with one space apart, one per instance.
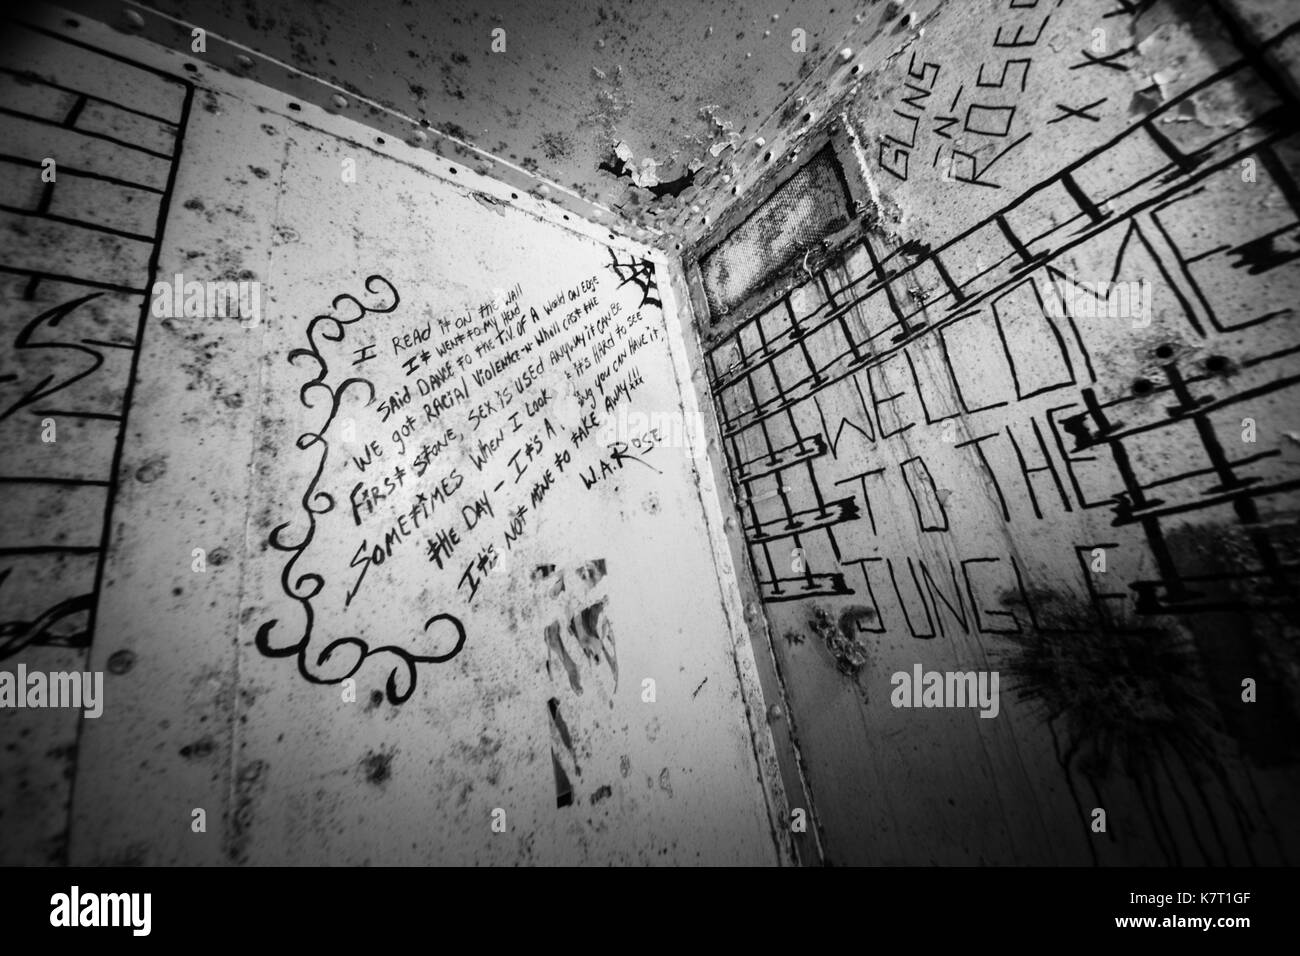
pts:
pixel 595 635
pixel 563 787
pixel 849 656
pixel 589 628
pixel 645 175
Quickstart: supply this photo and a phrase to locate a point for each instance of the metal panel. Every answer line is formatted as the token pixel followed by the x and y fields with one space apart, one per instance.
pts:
pixel 339 663
pixel 1009 430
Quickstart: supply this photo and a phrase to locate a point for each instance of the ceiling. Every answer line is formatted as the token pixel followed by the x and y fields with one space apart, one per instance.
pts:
pixel 681 83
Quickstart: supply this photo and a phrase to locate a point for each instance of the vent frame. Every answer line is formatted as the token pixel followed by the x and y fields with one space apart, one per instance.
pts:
pixel 834 135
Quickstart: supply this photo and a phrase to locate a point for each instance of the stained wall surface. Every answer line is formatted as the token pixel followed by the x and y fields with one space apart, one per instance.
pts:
pixel 1035 414
pixel 553 87
pixel 407 556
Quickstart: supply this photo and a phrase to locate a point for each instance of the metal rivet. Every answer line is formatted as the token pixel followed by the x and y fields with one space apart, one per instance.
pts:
pixel 243 61
pixel 134 19
pixel 339 101
pixel 119 662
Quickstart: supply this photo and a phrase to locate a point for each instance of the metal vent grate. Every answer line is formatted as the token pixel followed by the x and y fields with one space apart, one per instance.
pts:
pixel 810 205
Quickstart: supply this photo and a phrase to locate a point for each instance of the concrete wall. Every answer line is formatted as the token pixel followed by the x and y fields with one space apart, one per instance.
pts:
pixel 414 544
pixel 955 446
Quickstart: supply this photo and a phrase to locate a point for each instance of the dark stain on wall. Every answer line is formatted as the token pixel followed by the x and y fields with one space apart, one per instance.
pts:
pixel 249 786
pixel 377 766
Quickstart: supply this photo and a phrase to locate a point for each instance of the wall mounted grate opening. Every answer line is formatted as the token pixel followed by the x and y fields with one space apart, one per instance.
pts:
pixel 801 212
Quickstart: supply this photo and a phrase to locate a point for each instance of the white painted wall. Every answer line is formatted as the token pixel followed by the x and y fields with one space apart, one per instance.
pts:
pixel 226 449
pixel 1129 573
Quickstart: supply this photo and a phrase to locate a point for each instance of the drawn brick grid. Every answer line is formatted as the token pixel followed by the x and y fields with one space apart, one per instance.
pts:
pixel 881 315
pixel 89 167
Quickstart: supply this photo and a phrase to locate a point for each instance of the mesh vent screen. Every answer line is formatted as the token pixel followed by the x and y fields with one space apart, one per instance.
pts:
pixel 809 206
